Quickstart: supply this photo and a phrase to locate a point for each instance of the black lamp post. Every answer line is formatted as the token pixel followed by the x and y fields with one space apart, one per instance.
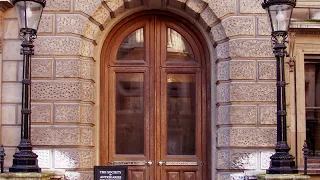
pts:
pixel 279 12
pixel 29 14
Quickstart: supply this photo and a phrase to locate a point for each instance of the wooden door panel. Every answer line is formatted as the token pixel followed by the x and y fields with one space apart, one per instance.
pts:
pixel 138 174
pixel 173 175
pixel 181 173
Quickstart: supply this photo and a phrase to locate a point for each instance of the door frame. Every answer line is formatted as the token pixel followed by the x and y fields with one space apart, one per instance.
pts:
pixel 104 86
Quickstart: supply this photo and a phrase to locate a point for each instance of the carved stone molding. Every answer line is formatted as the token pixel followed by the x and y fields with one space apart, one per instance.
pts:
pixel 311 31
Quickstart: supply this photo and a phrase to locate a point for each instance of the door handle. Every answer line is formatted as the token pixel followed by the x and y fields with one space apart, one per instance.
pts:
pixel 160 163
pixel 149 163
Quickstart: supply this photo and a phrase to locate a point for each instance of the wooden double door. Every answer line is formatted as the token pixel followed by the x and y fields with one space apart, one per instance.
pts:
pixel 153 106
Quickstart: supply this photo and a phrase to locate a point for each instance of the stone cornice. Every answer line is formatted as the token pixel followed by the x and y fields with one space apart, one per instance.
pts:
pixel 310 31
pixel 5 4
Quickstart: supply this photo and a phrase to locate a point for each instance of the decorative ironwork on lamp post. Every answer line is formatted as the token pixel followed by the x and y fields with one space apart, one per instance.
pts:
pixel 29 14
pixel 279 12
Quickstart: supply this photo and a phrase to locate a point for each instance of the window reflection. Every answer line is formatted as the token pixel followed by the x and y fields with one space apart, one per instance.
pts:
pixel 178 49
pixel 132 48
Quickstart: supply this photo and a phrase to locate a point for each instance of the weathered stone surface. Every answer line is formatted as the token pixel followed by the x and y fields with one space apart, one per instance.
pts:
pixel 9 72
pixel 250 48
pixel 223 92
pixel 70 23
pixel 57 45
pixel 237 115
pixel 90 30
pixel 9 156
pixel 86 136
pixel 264 26
pixel 86 93
pixel 218 32
pixel 267 69
pixel 67 67
pixel 10 135
pixel 87 7
pixel 265 159
pixel 268 114
pixel 251 6
pixel 253 92
pixel 230 176
pixel 41 68
pixel 101 15
pixel 246 137
pixel 243 70
pixel 86 114
pixel 11 50
pixel 44 160
pixel 115 5
pixel 196 5
pixel 41 113
pixel 11 92
pixel 46 23
pixel 237 160
pixel 55 90
pixel 55 136
pixel 8 114
pixel 208 16
pixel 235 26
pixel 223 70
pixel 73 158
pixel 58 5
pixel 86 69
pixel 79 175
pixel 67 113
pixel 223 7
pixel 11 29
pixel 223 50
pixel 86 48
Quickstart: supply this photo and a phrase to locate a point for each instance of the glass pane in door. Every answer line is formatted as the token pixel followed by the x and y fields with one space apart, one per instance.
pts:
pixel 178 48
pixel 129 113
pixel 181 113
pixel 132 47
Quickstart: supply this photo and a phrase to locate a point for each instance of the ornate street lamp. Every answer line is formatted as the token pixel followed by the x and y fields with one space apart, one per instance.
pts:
pixel 29 14
pixel 279 12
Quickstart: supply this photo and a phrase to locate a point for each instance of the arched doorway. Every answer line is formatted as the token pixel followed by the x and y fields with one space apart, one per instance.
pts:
pixel 154 98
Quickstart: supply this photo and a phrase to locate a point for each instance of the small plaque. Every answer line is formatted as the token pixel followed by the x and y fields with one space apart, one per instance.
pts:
pixel 129 163
pixel 182 163
pixel 110 172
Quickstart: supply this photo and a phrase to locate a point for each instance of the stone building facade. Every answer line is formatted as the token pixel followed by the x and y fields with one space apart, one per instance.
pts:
pixel 66 81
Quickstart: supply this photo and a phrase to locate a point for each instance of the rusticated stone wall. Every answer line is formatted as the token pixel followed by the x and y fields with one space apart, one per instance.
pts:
pixel 65 86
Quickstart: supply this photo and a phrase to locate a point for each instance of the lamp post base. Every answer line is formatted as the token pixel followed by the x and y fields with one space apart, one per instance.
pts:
pixel 25 160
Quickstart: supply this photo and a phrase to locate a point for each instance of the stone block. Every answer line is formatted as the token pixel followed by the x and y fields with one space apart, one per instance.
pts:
pixel 223 92
pixel 223 50
pixel 19 114
pixel 86 48
pixel 246 137
pixel 67 67
pixel 41 113
pixel 10 135
pixel 218 32
pixel 268 114
pixel 196 5
pixel 237 115
pixel 70 23
pixel 264 26
pixel 9 156
pixel 223 7
pixel 86 136
pixel 265 159
pixel 20 70
pixel 223 70
pixel 46 23
pixel 86 69
pixel 58 5
pixel 55 90
pixel 67 113
pixel 237 160
pixel 239 26
pixel 57 45
pixel 9 71
pixel 251 6
pixel 73 158
pixel 86 92
pixel 86 113
pixel 250 48
pixel 41 68
pixel 11 29
pixel 11 50
pixel 9 114
pixel 101 15
pixel 208 16
pixel 79 175
pixel 253 92
pixel 177 3
pixel 87 7
pixel 267 70
pixel 243 70
pixel 115 5
pixel 90 30
pixel 11 92
pixel 44 158
pixel 55 136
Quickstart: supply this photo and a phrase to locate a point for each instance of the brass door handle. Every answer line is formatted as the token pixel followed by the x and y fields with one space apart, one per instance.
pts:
pixel 160 163
pixel 149 163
